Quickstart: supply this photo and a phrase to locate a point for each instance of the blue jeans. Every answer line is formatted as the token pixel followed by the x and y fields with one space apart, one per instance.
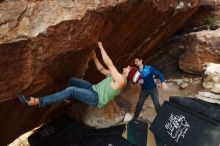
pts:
pixel 79 89
pixel 143 96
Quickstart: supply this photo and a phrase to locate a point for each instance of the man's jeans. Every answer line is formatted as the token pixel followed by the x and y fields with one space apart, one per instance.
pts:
pixel 79 89
pixel 143 96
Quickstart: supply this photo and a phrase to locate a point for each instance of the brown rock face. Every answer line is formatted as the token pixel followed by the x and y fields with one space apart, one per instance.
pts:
pixel 202 47
pixel 43 43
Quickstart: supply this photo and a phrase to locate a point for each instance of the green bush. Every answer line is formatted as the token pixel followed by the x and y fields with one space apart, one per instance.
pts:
pixel 210 21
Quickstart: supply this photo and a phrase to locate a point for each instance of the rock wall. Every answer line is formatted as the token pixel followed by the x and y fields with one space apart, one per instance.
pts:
pixel 202 38
pixel 43 43
pixel 202 47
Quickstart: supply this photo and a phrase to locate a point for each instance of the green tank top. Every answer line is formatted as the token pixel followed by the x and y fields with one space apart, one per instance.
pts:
pixel 105 91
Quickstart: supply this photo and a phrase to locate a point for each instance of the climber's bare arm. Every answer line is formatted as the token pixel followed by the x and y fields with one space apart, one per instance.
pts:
pixel 118 80
pixel 99 66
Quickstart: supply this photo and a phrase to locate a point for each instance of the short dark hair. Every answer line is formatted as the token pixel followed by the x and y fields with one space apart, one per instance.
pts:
pixel 138 57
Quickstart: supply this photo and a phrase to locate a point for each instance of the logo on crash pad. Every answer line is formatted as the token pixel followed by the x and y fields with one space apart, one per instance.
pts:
pixel 177 126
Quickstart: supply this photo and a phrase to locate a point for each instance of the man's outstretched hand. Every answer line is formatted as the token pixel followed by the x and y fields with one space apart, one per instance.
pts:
pixel 164 85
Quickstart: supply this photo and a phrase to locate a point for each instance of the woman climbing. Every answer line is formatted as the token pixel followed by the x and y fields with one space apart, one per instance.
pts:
pixel 95 95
